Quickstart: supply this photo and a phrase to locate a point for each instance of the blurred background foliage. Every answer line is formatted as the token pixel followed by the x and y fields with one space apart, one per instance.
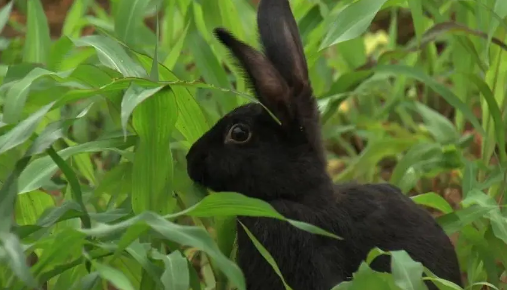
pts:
pixel 94 192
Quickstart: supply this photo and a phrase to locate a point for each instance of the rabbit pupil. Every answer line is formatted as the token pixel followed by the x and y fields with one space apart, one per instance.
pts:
pixel 239 133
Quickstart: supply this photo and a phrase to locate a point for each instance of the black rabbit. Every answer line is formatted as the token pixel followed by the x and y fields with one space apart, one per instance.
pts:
pixel 249 152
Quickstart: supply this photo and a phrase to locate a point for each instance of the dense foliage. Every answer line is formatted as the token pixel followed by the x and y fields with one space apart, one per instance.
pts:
pixel 99 112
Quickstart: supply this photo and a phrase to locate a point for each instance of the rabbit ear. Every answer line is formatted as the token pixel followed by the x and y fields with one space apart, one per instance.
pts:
pixel 280 36
pixel 271 88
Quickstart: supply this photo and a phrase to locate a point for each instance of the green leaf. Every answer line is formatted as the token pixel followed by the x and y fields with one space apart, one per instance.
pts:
pixel 17 259
pixel 140 254
pixel 469 180
pixel 176 275
pixel 439 126
pixel 92 76
pixel 30 205
pixel 128 19
pixel 495 112
pixel 416 8
pixel 374 153
pixel 87 282
pixel 407 273
pixel 456 220
pixel 433 200
pixel 498 221
pixel 185 235
pixel 8 195
pixel 112 55
pixel 350 22
pixel 68 210
pixel 447 94
pixel 419 152
pixel 154 74
pixel 117 278
pixel 154 121
pixel 133 97
pixel 75 186
pixel 38 172
pixel 231 18
pixel 18 92
pixel 36 47
pixel 500 9
pixel 225 228
pixel 58 53
pixel 447 27
pixel 267 256
pixel 5 12
pixel 366 278
pixel 209 67
pixel 191 121
pixel 23 130
pixel 132 234
pixel 175 50
pixel 74 17
pixel 442 284
pixel 235 204
pixel 53 132
pixel 53 255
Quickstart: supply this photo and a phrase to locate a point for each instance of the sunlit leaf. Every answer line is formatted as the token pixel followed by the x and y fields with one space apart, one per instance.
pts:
pixel 234 204
pixel 23 130
pixel 447 94
pixel 433 200
pixel 350 22
pixel 74 16
pixel 30 205
pixel 114 276
pixel 176 275
pixel 133 97
pixel 407 273
pixel 128 19
pixel 38 172
pixel 152 173
pixel 111 54
pixel 17 259
pixel 36 47
pixel 186 235
pixel 4 14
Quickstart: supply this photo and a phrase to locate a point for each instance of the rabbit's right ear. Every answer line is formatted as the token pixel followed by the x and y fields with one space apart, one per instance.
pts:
pixel 270 87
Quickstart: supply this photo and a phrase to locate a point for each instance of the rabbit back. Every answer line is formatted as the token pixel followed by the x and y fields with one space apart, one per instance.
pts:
pixel 366 216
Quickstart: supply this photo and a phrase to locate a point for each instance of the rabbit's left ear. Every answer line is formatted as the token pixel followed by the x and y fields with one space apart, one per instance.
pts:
pixel 283 47
pixel 270 87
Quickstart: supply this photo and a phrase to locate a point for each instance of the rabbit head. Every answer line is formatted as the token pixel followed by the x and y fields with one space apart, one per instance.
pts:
pixel 248 151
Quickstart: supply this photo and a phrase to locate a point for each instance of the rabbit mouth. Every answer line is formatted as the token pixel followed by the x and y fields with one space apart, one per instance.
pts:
pixel 198 175
pixel 201 177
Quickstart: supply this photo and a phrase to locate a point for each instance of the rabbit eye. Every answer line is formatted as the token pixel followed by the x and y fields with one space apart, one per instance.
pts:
pixel 239 133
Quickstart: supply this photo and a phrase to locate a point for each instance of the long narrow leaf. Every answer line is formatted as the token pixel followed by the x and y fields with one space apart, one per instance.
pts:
pixel 154 121
pixel 36 48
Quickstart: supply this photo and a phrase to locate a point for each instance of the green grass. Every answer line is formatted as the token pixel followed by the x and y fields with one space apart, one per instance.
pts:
pixel 96 122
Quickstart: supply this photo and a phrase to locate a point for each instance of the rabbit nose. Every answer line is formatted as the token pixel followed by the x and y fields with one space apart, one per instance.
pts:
pixel 196 165
pixel 196 158
pixel 195 154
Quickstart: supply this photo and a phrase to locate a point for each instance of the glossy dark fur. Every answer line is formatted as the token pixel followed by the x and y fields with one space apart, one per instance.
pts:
pixel 285 166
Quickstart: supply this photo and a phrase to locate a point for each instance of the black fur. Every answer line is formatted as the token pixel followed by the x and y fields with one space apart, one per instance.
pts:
pixel 285 166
